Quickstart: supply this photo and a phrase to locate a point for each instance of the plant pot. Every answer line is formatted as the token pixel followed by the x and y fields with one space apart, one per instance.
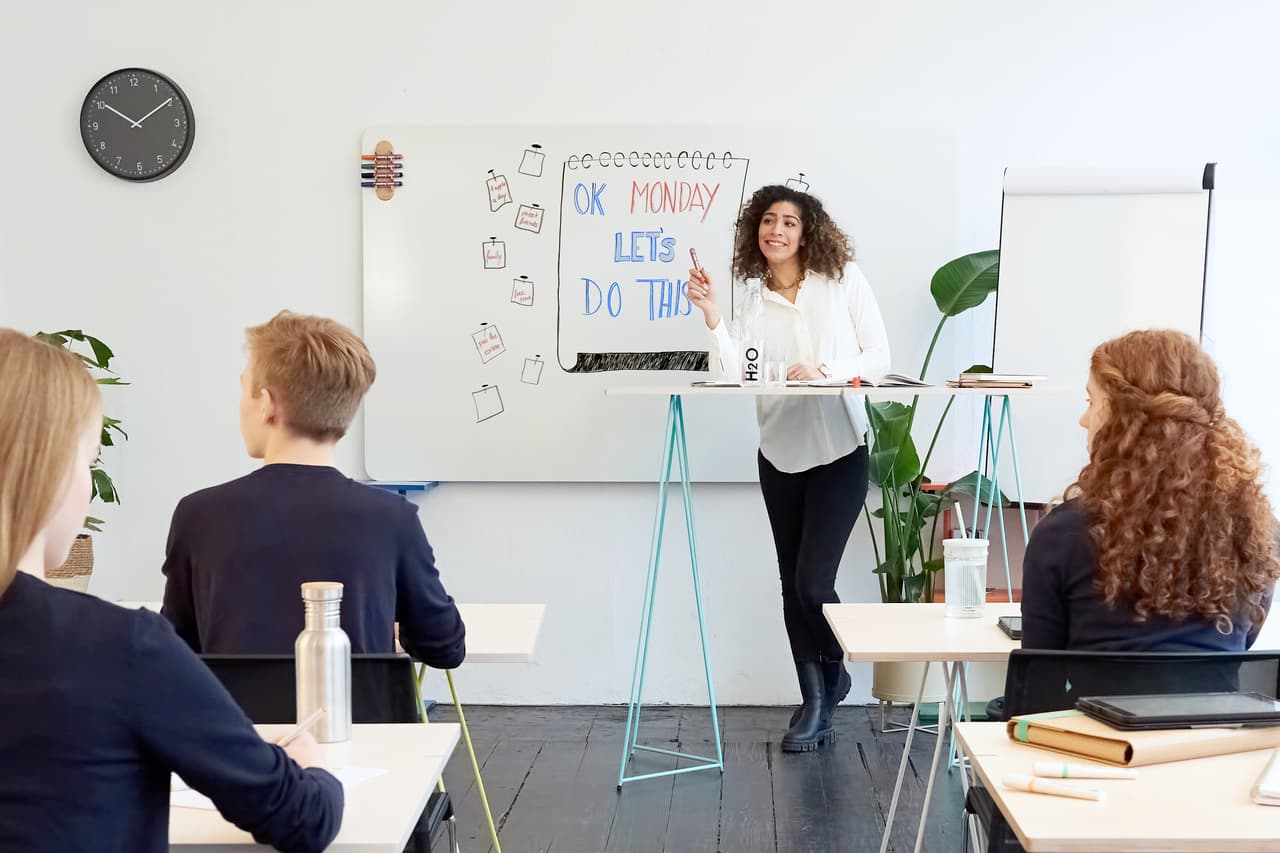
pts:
pixel 898 681
pixel 74 573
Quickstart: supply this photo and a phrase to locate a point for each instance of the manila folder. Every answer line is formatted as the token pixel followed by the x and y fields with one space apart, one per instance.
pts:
pixel 1076 734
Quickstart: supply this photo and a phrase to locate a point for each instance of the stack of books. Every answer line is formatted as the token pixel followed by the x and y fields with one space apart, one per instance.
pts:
pixel 995 380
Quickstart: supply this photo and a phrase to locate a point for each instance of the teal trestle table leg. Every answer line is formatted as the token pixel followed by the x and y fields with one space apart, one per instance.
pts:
pixel 990 442
pixel 675 451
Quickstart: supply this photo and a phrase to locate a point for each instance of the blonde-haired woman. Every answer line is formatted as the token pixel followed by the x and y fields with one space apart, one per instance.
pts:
pixel 1167 541
pixel 100 703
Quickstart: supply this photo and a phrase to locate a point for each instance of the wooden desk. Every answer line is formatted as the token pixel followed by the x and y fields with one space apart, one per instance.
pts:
pixel 1183 806
pixel 496 633
pixel 380 813
pixel 502 633
pixel 920 632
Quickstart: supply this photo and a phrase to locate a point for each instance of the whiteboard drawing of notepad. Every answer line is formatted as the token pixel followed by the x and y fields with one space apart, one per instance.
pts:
pixel 488 402
pixel 627 224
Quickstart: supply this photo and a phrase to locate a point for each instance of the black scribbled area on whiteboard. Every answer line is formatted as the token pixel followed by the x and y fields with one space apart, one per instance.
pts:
pixel 599 362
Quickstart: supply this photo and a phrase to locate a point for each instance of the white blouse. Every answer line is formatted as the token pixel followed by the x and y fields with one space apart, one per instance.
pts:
pixel 832 323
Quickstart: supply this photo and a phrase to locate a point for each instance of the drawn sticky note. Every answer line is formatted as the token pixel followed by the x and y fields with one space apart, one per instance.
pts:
pixel 529 218
pixel 798 183
pixel 499 192
pixel 522 291
pixel 488 402
pixel 531 163
pixel 488 343
pixel 532 373
pixel 495 254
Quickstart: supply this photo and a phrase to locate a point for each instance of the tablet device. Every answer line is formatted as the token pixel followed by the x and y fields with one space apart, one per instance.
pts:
pixel 1011 625
pixel 1182 710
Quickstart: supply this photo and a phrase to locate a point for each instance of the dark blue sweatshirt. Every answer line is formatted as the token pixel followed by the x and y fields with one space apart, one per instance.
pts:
pixel 1063 609
pixel 99 704
pixel 239 552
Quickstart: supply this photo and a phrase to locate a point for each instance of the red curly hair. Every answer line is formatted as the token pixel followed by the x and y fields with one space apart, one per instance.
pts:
pixel 1177 514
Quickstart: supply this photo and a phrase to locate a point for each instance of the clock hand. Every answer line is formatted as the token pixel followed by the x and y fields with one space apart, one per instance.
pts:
pixel 122 115
pixel 153 112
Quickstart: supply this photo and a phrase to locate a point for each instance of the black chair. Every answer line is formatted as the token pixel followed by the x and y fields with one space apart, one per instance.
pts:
pixel 1040 680
pixel 383 690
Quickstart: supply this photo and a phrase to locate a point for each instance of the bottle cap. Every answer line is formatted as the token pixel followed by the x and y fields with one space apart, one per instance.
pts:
pixel 322 591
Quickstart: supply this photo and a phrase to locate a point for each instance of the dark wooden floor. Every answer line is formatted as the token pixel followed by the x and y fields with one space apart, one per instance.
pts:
pixel 551 775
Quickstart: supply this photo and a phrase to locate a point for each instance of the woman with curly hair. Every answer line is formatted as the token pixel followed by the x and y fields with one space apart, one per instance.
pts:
pixel 1167 542
pixel 820 316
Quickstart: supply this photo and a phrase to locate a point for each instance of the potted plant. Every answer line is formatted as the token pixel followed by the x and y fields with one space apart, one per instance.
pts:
pixel 75 572
pixel 909 563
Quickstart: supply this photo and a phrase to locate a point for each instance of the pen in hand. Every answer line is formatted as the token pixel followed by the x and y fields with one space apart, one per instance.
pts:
pixel 297 730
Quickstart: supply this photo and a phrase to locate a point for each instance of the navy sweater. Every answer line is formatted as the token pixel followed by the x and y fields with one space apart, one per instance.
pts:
pixel 99 704
pixel 1062 608
pixel 239 552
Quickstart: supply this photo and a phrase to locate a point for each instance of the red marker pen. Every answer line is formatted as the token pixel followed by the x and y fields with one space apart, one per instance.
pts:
pixel 694 255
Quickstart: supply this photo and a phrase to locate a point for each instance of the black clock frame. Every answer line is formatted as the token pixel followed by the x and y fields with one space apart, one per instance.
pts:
pixel 186 108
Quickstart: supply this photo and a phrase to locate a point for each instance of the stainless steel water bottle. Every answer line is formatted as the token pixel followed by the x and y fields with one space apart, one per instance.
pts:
pixel 322 660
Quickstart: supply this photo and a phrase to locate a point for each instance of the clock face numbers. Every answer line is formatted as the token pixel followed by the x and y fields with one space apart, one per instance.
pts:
pixel 137 124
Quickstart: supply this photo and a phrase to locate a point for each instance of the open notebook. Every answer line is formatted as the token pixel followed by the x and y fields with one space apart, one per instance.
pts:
pixel 889 380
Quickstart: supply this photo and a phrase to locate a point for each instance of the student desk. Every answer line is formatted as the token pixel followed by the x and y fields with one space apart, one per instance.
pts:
pixel 496 633
pixel 676 455
pixel 1199 805
pixel 501 633
pixel 379 814
pixel 920 632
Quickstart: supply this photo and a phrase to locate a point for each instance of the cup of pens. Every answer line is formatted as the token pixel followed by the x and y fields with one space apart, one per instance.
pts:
pixel 965 570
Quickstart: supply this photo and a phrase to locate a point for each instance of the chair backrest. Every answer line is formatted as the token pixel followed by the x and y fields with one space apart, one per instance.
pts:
pixel 383 689
pixel 1041 680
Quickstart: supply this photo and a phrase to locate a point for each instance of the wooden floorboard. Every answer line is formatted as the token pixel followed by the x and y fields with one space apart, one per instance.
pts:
pixel 644 806
pixel 590 802
pixel 850 794
pixel 746 807
pixel 694 826
pixel 551 774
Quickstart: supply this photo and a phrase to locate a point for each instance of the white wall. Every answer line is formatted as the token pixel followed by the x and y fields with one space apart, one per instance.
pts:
pixel 265 214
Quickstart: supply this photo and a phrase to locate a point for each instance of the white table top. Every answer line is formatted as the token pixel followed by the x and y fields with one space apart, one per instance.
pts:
pixel 919 632
pixel 1199 805
pixel 501 633
pixel 496 633
pixel 826 391
pixel 379 814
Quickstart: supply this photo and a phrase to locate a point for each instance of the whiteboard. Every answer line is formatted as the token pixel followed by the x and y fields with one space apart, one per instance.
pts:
pixel 1086 255
pixel 519 271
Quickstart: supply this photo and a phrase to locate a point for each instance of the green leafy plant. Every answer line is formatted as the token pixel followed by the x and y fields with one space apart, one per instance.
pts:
pixel 909 563
pixel 98 361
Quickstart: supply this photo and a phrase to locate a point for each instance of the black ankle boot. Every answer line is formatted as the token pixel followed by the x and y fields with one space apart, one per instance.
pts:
pixel 813 727
pixel 836 685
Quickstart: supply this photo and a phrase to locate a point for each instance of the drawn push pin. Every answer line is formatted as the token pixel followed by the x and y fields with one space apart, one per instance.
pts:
pixel 499 192
pixel 531 163
pixel 382 170
pixel 798 183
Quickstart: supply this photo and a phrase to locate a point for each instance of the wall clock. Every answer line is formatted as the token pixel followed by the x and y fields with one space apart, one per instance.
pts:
pixel 137 124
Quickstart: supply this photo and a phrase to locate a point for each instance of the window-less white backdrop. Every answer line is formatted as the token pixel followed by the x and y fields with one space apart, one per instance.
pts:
pixel 265 214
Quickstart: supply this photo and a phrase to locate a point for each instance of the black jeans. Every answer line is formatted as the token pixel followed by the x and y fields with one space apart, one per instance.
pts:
pixel 812 514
